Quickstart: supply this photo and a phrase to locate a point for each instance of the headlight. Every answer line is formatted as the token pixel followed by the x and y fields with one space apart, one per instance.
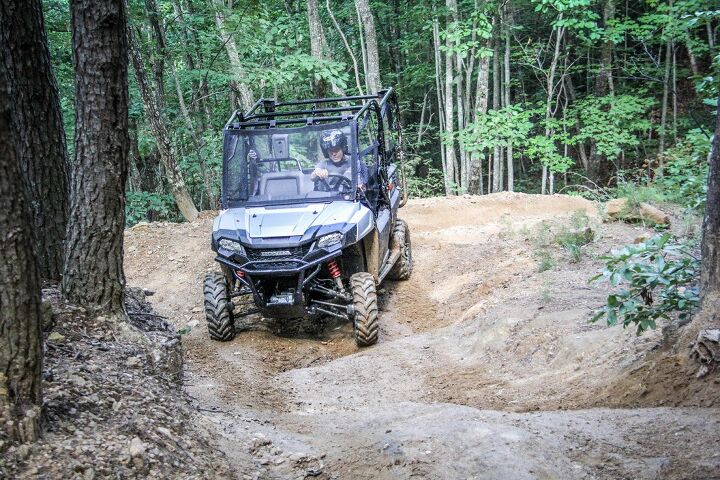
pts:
pixel 232 246
pixel 331 239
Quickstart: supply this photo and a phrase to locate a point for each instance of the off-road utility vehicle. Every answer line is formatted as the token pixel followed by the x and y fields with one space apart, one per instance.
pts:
pixel 307 229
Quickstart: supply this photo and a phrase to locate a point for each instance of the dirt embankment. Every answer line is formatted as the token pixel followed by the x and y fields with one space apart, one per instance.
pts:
pixel 486 367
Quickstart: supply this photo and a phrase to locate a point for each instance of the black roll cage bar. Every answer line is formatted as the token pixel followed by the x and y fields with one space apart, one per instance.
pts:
pixel 265 111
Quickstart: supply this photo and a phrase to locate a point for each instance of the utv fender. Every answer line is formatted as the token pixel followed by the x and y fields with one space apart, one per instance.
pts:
pixel 371 244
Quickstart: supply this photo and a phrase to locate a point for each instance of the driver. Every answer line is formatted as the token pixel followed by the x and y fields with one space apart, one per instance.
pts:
pixel 333 144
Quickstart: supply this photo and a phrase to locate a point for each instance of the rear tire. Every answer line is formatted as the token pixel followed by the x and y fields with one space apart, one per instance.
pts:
pixel 362 286
pixel 403 266
pixel 218 308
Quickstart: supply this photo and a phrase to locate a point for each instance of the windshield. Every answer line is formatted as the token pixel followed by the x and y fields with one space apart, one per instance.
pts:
pixel 289 165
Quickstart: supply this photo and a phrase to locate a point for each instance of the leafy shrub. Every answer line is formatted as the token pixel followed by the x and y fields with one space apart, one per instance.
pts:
pixel 653 280
pixel 684 179
pixel 146 206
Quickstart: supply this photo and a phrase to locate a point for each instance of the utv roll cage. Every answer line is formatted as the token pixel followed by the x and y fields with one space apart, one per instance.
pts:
pixel 270 113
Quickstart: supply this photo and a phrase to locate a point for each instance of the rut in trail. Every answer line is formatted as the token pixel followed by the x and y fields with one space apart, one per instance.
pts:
pixel 485 367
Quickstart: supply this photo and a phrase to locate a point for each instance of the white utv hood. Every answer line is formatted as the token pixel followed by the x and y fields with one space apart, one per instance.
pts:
pixel 294 220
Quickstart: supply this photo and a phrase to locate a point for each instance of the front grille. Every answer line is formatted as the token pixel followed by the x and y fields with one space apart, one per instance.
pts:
pixel 276 254
pixel 280 265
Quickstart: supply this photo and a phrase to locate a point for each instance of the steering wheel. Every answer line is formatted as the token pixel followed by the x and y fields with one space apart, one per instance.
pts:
pixel 342 185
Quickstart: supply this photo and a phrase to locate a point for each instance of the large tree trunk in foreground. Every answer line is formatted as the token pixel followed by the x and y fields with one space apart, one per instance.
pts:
pixel 157 124
pixel 94 274
pixel 38 128
pixel 20 336
pixel 704 331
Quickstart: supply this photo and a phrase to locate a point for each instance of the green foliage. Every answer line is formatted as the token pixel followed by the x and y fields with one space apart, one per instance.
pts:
pixel 145 206
pixel 684 179
pixel 637 193
pixel 612 122
pixel 652 280
pixel 572 240
pixel 423 180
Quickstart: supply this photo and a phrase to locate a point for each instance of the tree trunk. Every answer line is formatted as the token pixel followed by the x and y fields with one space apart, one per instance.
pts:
pixel 20 321
pixel 664 108
pixel 449 120
pixel 497 154
pixel 319 49
pixel 247 99
pixel 710 272
pixel 441 110
pixel 162 52
pixel 705 346
pixel 597 168
pixel 481 105
pixel 94 276
pixel 347 47
pixel 162 139
pixel 372 74
pixel 508 23
pixel 38 127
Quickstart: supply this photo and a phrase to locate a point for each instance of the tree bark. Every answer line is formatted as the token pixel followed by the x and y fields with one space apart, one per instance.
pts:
pixel 372 74
pixel 20 321
pixel 481 106
pixel 449 120
pixel 705 346
pixel 157 124
pixel 508 23
pixel 247 99
pixel 441 109
pixel 347 47
pixel 319 49
pixel 710 272
pixel 497 154
pixel 94 276
pixel 38 127
pixel 597 168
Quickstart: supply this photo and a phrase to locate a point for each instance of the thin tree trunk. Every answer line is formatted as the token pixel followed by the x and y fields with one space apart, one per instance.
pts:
pixel 497 154
pixel 598 171
pixel 550 87
pixel 20 320
pixel 449 104
pixel 508 24
pixel 441 111
pixel 372 73
pixel 157 125
pixel 363 51
pixel 38 128
pixel 481 105
pixel 94 276
pixel 663 115
pixel 463 175
pixel 319 48
pixel 247 99
pixel 347 47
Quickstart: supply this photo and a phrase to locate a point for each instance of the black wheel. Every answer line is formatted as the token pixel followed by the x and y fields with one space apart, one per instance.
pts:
pixel 403 266
pixel 362 286
pixel 218 308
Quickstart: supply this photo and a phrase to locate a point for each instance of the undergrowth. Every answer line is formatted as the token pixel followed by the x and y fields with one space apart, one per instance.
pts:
pixel 652 280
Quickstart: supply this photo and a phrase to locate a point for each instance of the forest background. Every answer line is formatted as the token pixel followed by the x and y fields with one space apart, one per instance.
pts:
pixel 537 96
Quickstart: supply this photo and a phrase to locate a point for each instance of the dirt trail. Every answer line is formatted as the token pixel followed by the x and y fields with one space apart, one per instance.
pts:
pixel 485 367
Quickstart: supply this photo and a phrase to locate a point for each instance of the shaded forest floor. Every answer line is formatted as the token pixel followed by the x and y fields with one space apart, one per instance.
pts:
pixel 486 368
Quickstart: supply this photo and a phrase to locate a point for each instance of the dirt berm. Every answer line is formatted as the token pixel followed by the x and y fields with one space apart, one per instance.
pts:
pixel 486 367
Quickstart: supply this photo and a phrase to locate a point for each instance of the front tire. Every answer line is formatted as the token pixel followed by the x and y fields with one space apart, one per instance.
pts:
pixel 403 266
pixel 362 286
pixel 218 308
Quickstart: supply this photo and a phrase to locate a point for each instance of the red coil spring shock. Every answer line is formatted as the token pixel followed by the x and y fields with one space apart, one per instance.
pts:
pixel 333 269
